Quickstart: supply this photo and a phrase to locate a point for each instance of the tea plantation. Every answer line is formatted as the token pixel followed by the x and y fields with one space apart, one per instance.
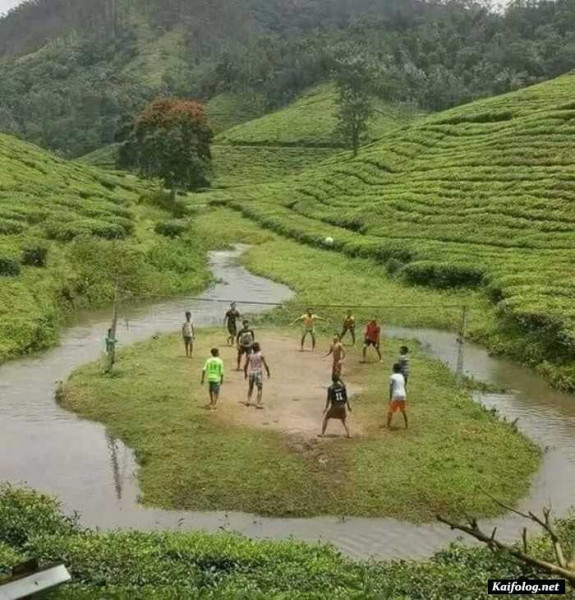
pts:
pixel 69 234
pixel 480 196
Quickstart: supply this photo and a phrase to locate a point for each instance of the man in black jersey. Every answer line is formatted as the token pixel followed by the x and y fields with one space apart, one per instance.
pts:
pixel 337 405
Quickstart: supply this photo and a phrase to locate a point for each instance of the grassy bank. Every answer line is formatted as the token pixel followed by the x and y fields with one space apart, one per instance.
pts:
pixel 191 459
pixel 70 235
pixel 195 565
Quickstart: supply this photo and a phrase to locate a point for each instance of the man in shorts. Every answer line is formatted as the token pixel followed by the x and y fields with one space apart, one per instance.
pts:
pixel 348 325
pixel 245 340
pixel 231 319
pixel 397 395
pixel 338 352
pixel 337 405
pixel 308 320
pixel 189 333
pixel 372 338
pixel 253 370
pixel 214 371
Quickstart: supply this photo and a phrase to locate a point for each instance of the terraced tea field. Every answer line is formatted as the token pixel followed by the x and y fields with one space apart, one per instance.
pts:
pixel 482 195
pixel 61 226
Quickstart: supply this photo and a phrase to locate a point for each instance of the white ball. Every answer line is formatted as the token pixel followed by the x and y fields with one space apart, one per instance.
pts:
pixel 328 241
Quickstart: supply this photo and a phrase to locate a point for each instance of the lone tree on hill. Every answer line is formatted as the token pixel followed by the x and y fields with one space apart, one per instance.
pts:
pixel 354 106
pixel 170 139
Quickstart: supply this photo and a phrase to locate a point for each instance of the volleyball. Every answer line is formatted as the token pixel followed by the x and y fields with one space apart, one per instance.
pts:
pixel 328 241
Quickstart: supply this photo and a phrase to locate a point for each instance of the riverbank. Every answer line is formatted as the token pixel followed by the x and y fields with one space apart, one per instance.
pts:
pixel 271 462
pixel 179 565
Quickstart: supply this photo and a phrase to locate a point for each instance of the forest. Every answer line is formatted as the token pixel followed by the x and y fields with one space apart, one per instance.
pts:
pixel 73 72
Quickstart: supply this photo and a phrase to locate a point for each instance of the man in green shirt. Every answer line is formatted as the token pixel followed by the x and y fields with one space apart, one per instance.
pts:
pixel 214 370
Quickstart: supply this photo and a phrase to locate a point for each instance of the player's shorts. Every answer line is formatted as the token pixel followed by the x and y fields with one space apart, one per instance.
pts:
pixel 337 411
pixel 336 369
pixel 257 380
pixel 371 343
pixel 188 339
pixel 348 328
pixel 233 330
pixel 397 405
pixel 244 350
pixel 309 330
pixel 215 387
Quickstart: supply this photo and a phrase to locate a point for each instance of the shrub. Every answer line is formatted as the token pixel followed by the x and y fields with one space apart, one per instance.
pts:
pixel 9 267
pixel 35 255
pixel 393 265
pixel 443 275
pixel 172 229
pixel 108 231
pixel 163 199
pixel 9 227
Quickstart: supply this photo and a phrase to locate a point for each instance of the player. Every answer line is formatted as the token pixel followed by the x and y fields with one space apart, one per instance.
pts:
pixel 308 320
pixel 245 339
pixel 348 325
pixel 189 334
pixel 253 370
pixel 214 370
pixel 372 338
pixel 336 406
pixel 397 395
pixel 338 352
pixel 232 317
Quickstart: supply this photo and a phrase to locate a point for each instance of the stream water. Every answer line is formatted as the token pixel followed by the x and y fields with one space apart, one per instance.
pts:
pixel 49 449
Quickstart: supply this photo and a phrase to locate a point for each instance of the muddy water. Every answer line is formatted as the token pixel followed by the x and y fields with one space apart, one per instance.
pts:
pixel 51 450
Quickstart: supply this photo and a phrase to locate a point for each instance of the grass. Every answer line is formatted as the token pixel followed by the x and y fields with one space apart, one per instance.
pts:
pixel 310 122
pixel 66 232
pixel 169 566
pixel 480 197
pixel 190 460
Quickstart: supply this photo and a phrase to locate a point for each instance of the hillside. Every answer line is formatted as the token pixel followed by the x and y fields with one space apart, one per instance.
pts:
pixel 68 235
pixel 73 73
pixel 480 196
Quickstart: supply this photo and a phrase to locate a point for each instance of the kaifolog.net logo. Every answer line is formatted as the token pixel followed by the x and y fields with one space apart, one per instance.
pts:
pixel 526 586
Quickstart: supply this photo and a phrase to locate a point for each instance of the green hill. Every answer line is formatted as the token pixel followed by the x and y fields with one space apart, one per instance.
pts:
pixel 481 196
pixel 67 234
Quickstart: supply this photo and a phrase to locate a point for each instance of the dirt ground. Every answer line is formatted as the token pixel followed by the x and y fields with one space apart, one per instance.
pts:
pixel 294 397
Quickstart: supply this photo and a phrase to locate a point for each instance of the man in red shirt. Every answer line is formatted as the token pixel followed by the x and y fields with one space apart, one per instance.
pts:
pixel 372 338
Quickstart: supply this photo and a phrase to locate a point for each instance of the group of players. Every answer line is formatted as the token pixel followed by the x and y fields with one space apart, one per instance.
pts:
pixel 337 403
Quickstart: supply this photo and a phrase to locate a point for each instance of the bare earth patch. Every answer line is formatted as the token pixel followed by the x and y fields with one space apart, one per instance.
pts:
pixel 294 397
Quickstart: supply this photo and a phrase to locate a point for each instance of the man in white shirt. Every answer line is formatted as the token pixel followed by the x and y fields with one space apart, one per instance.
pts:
pixel 397 395
pixel 189 334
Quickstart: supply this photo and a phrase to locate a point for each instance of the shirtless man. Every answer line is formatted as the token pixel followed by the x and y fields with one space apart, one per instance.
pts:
pixel 348 325
pixel 254 372
pixel 338 352
pixel 308 320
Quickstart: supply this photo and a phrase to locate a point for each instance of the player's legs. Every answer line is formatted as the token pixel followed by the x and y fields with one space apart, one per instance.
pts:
pixel 251 389
pixel 352 331
pixel 346 427
pixel 364 351
pixel 240 352
pixel 378 351
pixel 303 338
pixel 324 426
pixel 260 384
pixel 313 340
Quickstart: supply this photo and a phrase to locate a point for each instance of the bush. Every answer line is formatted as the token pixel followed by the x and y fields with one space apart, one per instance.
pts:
pixel 393 265
pixel 108 231
pixel 162 199
pixel 171 229
pixel 443 275
pixel 10 227
pixel 35 255
pixel 9 267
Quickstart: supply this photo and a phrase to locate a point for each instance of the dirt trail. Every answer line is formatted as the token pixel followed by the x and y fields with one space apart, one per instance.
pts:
pixel 294 397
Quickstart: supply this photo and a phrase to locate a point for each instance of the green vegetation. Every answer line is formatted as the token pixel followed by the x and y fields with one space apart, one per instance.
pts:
pixel 72 75
pixel 67 234
pixel 476 197
pixel 311 121
pixel 197 565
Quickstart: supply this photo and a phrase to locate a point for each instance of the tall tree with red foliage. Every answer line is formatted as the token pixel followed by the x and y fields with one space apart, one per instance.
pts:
pixel 170 140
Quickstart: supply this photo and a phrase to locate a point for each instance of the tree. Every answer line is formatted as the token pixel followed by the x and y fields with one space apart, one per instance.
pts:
pixel 354 105
pixel 170 139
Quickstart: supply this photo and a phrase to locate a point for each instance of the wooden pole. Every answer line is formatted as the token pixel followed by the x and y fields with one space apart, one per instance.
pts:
pixel 111 349
pixel 461 344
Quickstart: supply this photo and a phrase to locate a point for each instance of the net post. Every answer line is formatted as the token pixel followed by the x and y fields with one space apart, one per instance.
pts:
pixel 461 344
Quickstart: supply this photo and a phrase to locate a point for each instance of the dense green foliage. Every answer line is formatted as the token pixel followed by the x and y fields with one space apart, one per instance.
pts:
pixel 72 74
pixel 178 566
pixel 68 235
pixel 477 196
pixel 170 141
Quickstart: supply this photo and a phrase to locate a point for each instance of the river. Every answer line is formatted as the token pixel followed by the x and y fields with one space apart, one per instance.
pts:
pixel 52 450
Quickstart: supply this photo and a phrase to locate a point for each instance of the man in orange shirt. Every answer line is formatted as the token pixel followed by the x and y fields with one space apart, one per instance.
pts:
pixel 372 338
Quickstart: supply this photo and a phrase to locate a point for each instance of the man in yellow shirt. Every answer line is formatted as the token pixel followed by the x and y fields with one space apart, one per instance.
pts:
pixel 214 369
pixel 308 320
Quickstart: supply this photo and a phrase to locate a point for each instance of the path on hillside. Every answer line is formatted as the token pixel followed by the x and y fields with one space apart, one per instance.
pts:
pixel 77 460
pixel 294 397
